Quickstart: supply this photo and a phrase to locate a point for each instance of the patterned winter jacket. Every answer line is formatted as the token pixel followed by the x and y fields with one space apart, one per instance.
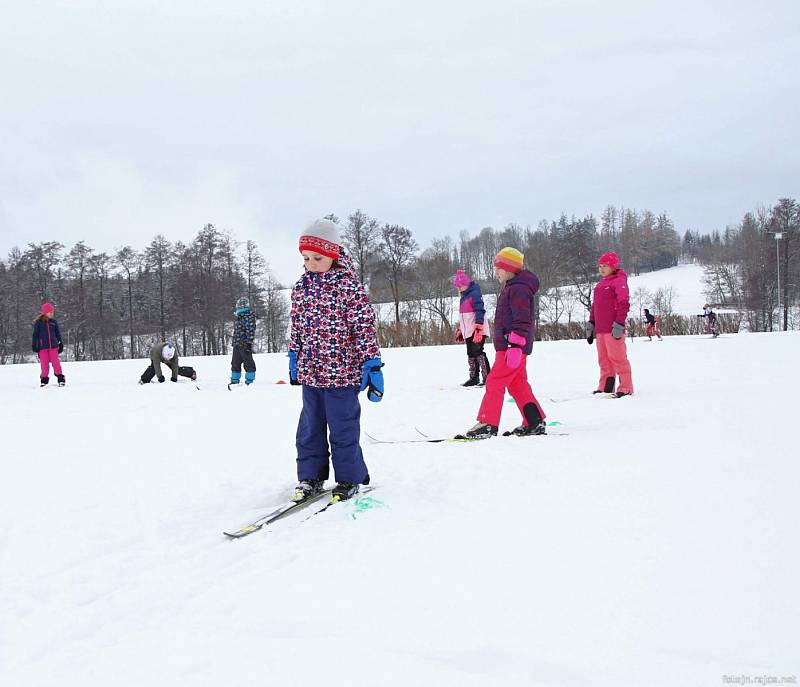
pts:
pixel 45 334
pixel 470 309
pixel 244 329
pixel 514 312
pixel 610 302
pixel 333 327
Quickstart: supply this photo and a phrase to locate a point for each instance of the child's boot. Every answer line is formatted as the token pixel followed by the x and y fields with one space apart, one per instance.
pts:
pixel 43 381
pixel 249 377
pixel 61 380
pixel 485 368
pixel 235 377
pixel 473 373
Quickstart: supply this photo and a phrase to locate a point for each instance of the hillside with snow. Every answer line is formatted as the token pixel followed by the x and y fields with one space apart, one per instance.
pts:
pixel 650 540
pixel 681 285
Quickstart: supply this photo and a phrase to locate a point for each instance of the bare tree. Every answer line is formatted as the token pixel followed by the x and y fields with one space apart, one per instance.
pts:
pixel 397 251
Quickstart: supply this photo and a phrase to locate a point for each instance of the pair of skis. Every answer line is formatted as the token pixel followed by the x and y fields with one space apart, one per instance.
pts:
pixel 458 439
pixel 290 509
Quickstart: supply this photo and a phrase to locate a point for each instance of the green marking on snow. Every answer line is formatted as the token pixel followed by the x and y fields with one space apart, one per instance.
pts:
pixel 365 503
pixel 554 423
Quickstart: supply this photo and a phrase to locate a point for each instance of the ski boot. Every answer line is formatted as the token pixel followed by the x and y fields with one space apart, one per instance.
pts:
pixel 481 430
pixel 249 378
pixel 61 380
pixel 43 381
pixel 620 394
pixel 472 381
pixel 343 491
pixel 528 430
pixel 307 488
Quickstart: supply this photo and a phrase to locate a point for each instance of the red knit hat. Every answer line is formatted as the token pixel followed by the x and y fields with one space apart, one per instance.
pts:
pixel 611 259
pixel 321 237
pixel 48 309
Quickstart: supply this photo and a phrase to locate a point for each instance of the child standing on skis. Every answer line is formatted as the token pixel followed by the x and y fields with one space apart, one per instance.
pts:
pixel 333 354
pixel 711 321
pixel 46 343
pixel 470 328
pixel 651 325
pixel 244 331
pixel 610 305
pixel 513 343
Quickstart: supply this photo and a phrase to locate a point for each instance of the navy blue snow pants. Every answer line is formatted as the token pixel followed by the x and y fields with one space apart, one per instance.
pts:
pixel 339 411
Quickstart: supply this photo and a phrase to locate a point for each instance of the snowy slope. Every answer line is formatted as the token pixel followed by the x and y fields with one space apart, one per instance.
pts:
pixel 655 544
pixel 684 281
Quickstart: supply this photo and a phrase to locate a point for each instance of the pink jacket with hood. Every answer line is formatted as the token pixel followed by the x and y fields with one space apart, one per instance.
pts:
pixel 610 302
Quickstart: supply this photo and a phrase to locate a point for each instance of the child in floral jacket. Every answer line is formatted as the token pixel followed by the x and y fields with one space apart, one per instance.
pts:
pixel 333 354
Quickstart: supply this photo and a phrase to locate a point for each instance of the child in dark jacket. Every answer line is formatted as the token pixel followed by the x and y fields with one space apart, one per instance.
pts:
pixel 244 331
pixel 333 354
pixel 513 343
pixel 46 343
pixel 470 328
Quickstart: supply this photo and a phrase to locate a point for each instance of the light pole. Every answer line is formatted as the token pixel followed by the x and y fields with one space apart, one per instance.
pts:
pixel 778 237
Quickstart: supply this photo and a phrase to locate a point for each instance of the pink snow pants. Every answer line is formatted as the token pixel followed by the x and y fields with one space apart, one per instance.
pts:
pixel 48 356
pixel 502 377
pixel 613 358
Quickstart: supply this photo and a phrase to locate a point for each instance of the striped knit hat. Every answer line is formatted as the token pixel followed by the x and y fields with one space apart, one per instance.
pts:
pixel 509 259
pixel 321 237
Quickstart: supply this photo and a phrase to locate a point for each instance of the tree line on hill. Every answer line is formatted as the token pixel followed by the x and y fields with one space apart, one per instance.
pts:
pixel 116 305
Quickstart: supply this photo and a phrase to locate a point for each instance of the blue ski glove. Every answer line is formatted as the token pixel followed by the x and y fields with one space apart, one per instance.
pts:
pixel 293 368
pixel 618 330
pixel 372 379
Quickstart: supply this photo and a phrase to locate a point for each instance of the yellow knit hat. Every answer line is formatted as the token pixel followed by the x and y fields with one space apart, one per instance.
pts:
pixel 509 259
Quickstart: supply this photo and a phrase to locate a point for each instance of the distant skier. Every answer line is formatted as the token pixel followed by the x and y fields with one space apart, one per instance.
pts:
pixel 333 354
pixel 165 353
pixel 610 305
pixel 712 327
pixel 513 343
pixel 470 328
pixel 244 331
pixel 46 343
pixel 651 325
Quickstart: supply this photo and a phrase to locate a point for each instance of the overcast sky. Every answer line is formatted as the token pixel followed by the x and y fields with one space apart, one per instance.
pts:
pixel 121 120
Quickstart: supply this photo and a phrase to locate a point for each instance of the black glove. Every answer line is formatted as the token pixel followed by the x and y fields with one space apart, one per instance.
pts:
pixel 590 332
pixel 35 350
pixel 161 379
pixel 60 346
pixel 173 379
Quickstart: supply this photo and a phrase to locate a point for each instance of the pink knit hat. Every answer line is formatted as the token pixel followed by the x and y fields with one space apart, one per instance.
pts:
pixel 461 279
pixel 48 309
pixel 611 259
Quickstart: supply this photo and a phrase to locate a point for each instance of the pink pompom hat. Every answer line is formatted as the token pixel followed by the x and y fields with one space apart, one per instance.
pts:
pixel 461 279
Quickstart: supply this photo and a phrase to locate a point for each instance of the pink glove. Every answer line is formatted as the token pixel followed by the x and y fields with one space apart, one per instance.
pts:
pixel 477 335
pixel 513 357
pixel 459 335
pixel 514 352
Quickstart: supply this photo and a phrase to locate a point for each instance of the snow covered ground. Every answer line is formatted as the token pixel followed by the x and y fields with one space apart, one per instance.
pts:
pixel 656 543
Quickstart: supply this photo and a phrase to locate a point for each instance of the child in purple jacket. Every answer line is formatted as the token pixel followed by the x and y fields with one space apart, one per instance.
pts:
pixel 46 343
pixel 470 328
pixel 513 343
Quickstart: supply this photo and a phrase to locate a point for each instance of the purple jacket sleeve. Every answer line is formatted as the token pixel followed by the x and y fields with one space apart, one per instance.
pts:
pixel 522 311
pixel 480 310
pixel 295 340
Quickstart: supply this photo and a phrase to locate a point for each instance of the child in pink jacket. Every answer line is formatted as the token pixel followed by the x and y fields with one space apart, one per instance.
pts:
pixel 610 306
